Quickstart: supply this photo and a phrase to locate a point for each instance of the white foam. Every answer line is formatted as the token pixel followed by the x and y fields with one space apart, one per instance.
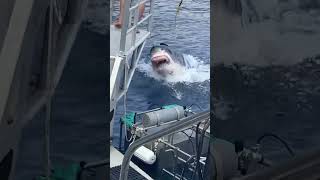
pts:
pixel 197 72
pixel 193 77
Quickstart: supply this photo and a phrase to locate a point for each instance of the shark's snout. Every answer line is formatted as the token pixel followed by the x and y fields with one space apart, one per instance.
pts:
pixel 158 59
pixel 164 61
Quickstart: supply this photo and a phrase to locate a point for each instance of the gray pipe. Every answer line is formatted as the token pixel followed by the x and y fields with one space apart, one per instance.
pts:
pixel 183 123
pixel 162 116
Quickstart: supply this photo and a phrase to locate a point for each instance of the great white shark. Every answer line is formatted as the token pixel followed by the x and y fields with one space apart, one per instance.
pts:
pixel 165 61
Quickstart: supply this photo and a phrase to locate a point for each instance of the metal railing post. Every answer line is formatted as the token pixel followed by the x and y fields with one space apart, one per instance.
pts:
pixel 135 23
pixel 129 26
pixel 125 25
pixel 183 123
pixel 150 12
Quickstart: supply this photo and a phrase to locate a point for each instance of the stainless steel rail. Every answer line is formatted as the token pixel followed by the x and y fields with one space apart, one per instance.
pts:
pixel 183 123
pixel 136 23
pixel 129 52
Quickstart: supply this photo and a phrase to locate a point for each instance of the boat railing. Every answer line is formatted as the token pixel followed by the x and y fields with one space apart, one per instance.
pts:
pixel 132 37
pixel 131 23
pixel 183 123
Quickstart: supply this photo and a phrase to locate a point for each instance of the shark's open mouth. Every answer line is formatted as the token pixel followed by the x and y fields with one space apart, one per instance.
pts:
pixel 159 59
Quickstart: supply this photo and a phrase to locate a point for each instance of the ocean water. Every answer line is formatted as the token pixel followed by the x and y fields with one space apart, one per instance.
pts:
pixel 189 34
pixel 79 127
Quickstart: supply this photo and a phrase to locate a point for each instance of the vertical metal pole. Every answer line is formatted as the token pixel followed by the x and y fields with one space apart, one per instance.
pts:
pixel 49 91
pixel 111 129
pixel 134 64
pixel 135 22
pixel 120 141
pixel 111 10
pixel 125 25
pixel 47 139
pixel 150 12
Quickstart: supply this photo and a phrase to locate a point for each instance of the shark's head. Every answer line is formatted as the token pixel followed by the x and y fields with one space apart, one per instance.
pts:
pixel 162 59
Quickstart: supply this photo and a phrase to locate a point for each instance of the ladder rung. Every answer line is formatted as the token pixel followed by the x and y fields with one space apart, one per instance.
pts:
pixel 139 23
pixel 136 45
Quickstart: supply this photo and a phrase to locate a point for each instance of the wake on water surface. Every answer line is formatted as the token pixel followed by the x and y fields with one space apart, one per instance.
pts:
pixel 196 76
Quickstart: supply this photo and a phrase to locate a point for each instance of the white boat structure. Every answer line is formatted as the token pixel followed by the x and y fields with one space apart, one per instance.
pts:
pixel 126 45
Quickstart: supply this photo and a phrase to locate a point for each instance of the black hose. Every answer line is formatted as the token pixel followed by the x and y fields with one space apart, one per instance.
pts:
pixel 199 145
pixel 186 165
pixel 190 140
pixel 289 149
pixel 206 126
pixel 180 3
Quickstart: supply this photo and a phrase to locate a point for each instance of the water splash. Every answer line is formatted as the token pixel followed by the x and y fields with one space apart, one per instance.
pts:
pixel 177 94
pixel 197 77
pixel 197 73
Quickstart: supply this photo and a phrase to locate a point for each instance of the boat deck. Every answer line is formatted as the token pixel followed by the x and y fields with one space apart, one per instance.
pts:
pixel 115 165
